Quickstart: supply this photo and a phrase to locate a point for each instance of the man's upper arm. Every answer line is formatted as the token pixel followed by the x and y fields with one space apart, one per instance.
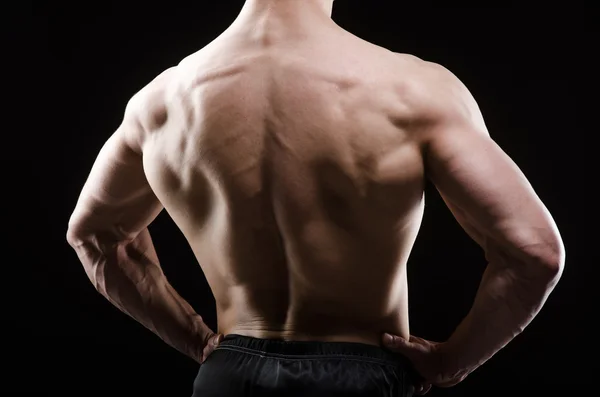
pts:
pixel 116 200
pixel 482 186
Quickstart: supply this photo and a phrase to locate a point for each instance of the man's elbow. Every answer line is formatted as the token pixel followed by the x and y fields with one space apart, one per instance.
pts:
pixel 73 238
pixel 549 259
pixel 541 256
pixel 557 262
pixel 89 255
pixel 74 231
pixel 80 232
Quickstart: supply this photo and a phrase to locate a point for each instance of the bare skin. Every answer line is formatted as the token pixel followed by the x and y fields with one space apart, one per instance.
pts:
pixel 293 156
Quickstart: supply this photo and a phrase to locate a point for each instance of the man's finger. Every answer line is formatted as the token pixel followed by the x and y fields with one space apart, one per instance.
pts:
pixel 389 340
pixel 423 389
pixel 212 344
pixel 416 339
pixel 398 343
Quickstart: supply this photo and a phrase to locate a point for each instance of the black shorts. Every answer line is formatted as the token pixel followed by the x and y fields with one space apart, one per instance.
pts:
pixel 245 366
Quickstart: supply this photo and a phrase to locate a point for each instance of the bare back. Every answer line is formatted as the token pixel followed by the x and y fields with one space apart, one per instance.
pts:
pixel 294 173
pixel 292 155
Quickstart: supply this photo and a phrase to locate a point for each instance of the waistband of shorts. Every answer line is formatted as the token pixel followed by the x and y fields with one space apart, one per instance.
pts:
pixel 279 348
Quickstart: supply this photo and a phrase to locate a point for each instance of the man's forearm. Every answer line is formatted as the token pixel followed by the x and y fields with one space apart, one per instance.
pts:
pixel 508 298
pixel 130 277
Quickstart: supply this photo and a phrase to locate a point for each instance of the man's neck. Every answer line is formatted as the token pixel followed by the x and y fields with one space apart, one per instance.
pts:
pixel 323 7
pixel 291 11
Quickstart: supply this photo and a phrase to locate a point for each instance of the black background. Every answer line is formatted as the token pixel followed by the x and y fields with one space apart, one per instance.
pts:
pixel 525 66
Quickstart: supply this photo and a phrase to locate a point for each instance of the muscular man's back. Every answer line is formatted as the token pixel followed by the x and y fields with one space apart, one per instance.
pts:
pixel 292 155
pixel 289 164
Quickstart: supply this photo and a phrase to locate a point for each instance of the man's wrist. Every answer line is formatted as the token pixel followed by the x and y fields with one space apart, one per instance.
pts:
pixel 452 361
pixel 200 337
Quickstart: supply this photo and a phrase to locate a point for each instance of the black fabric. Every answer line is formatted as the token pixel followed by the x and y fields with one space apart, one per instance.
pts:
pixel 245 366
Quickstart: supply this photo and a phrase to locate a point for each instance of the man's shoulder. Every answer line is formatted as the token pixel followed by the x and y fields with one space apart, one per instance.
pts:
pixel 152 91
pixel 146 110
pixel 149 103
pixel 434 92
pixel 429 77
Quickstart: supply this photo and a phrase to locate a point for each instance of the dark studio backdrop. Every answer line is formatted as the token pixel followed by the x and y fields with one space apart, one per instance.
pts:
pixel 522 65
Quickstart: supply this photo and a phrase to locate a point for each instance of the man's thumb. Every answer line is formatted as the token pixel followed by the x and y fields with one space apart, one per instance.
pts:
pixel 396 342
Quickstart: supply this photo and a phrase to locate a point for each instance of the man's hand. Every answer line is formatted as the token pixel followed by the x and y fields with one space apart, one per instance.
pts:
pixel 429 360
pixel 210 341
